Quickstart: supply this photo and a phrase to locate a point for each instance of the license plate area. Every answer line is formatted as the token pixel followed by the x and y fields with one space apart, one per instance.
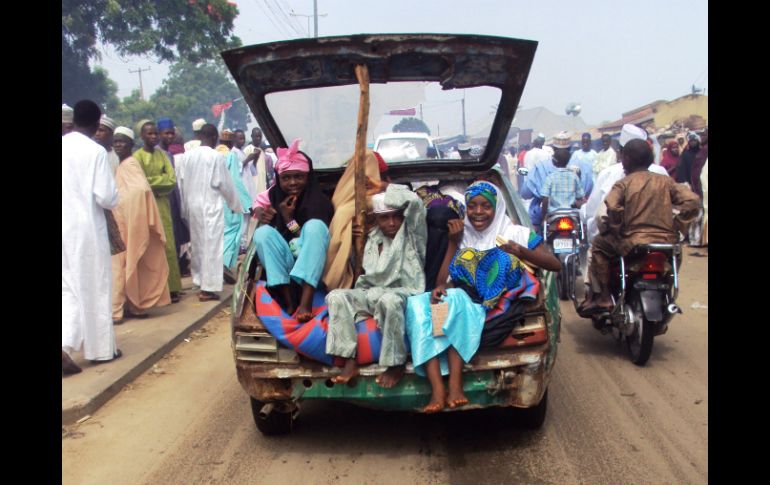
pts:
pixel 563 245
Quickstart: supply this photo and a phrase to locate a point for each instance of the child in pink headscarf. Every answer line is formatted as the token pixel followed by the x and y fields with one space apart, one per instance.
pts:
pixel 292 241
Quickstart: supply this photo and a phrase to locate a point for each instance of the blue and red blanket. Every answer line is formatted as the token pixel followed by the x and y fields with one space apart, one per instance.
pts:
pixel 309 339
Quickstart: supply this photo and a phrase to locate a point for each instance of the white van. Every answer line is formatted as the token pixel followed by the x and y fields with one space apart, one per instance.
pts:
pixel 397 147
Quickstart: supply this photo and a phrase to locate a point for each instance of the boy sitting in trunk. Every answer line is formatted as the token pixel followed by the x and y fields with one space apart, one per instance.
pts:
pixel 639 211
pixel 394 257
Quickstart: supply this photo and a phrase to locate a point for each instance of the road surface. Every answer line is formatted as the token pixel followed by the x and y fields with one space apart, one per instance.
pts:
pixel 188 421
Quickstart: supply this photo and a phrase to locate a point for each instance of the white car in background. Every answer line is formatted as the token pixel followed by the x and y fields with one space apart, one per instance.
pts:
pixel 397 147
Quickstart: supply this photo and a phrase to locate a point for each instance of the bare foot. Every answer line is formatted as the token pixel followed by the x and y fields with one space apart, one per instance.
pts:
pixel 303 314
pixel 456 399
pixel 436 404
pixel 348 372
pixel 391 376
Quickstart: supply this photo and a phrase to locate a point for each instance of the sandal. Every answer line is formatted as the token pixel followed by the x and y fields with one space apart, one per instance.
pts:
pixel 206 296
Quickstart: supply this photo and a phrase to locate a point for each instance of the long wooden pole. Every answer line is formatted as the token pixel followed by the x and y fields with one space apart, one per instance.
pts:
pixel 362 74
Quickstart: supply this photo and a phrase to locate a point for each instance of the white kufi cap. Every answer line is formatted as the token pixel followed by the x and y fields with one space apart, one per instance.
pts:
pixel 631 132
pixel 379 206
pixel 122 130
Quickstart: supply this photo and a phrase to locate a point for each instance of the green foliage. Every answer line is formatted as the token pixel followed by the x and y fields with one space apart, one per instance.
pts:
pixel 411 125
pixel 168 29
pixel 193 30
pixel 186 95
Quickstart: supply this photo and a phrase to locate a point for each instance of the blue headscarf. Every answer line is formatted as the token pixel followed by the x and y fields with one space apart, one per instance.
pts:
pixel 483 189
pixel 165 124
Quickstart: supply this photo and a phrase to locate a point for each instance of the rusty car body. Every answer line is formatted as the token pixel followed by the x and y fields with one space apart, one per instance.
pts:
pixel 517 373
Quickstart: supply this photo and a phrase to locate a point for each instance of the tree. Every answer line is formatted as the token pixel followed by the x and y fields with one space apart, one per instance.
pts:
pixel 186 95
pixel 411 125
pixel 194 30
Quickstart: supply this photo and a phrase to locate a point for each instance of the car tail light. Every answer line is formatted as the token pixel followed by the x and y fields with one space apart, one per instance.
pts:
pixel 654 263
pixel 565 224
pixel 532 332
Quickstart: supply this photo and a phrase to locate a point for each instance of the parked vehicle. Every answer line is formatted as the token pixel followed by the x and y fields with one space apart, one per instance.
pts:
pixel 644 287
pixel 565 232
pixel 515 374
pixel 395 147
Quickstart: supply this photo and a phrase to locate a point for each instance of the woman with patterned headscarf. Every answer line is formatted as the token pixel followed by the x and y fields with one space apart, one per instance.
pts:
pixel 485 258
pixel 294 237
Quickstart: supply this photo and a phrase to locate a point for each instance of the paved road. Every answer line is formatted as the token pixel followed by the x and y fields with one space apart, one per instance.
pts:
pixel 188 421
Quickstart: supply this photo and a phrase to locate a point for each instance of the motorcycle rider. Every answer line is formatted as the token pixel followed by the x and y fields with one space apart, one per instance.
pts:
pixel 639 211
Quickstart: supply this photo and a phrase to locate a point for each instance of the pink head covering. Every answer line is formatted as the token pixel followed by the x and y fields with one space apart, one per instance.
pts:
pixel 291 159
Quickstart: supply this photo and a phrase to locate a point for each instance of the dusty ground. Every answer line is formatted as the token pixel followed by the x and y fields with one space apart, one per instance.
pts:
pixel 188 421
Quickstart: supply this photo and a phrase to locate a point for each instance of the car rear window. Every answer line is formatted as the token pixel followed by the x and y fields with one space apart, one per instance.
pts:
pixel 325 119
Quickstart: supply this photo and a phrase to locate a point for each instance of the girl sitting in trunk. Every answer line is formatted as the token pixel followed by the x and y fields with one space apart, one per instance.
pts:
pixel 481 272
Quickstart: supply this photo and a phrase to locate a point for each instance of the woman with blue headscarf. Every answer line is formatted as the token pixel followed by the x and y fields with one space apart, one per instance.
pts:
pixel 484 260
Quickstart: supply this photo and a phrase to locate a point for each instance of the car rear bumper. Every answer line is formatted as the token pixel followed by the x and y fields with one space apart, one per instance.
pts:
pixel 517 379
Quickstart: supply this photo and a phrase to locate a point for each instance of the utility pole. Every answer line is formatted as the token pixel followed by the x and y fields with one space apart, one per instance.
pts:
pixel 141 89
pixel 463 103
pixel 314 16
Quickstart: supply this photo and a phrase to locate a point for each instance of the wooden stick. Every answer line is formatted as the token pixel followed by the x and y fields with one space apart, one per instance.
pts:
pixel 362 74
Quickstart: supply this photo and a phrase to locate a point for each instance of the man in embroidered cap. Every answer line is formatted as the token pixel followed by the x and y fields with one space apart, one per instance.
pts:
pixel 88 188
pixel 206 186
pixel 394 257
pixel 640 210
pixel 196 127
pixel 103 137
pixel 167 134
pixel 594 208
pixel 140 273
pixel 66 119
pixel 226 140
pixel 562 188
pixel 162 178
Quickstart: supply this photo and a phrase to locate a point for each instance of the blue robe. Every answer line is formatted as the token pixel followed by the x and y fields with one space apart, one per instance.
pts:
pixel 233 221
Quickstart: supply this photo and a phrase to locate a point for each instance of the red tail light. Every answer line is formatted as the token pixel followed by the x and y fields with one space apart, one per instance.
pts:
pixel 654 263
pixel 565 224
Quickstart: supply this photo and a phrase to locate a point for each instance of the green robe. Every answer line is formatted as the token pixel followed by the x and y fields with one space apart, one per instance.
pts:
pixel 162 179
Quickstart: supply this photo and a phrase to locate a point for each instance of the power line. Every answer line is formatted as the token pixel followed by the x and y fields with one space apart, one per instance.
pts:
pixel 270 18
pixel 289 20
pixel 279 19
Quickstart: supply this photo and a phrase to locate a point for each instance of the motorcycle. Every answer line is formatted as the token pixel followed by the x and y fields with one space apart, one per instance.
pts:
pixel 644 286
pixel 565 233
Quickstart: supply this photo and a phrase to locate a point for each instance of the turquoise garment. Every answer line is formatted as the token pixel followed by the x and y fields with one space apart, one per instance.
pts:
pixel 280 265
pixel 233 221
pixel 462 329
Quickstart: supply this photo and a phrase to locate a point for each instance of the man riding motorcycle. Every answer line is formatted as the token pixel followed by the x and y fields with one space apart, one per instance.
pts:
pixel 639 211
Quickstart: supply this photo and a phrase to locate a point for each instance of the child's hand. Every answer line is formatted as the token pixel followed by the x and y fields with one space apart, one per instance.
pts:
pixel 266 215
pixel 456 228
pixel 438 294
pixel 512 248
pixel 287 207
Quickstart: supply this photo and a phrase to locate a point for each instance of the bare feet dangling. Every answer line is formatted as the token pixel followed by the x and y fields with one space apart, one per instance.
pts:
pixel 348 372
pixel 391 376
pixel 436 404
pixel 455 399
pixel 304 314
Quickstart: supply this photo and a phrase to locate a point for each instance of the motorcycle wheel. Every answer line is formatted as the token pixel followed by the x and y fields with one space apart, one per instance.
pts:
pixel 639 343
pixel 563 280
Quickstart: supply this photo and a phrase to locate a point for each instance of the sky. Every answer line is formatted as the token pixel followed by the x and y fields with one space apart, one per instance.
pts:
pixel 608 56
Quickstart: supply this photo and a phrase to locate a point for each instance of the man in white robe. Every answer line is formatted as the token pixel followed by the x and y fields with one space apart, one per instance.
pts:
pixel 205 184
pixel 88 188
pixel 593 210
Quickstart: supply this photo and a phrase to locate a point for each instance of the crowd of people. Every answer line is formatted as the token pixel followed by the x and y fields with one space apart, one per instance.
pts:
pixel 141 209
pixel 446 248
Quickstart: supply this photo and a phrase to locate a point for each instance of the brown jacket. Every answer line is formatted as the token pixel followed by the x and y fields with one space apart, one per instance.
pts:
pixel 640 209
